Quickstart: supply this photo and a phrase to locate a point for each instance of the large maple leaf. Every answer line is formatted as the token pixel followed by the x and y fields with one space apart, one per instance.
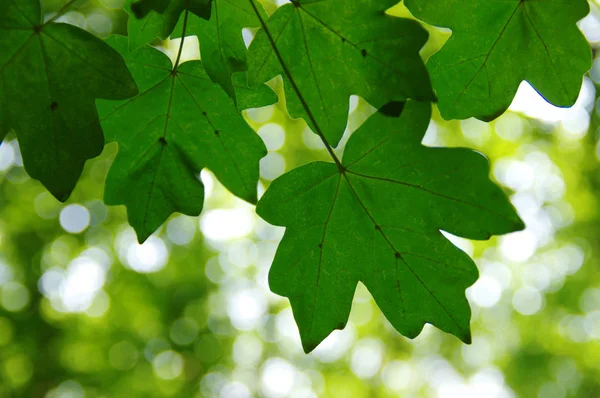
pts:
pixel 50 76
pixel 376 218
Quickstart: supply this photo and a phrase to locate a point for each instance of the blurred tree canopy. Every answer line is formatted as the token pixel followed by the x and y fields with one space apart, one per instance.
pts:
pixel 86 311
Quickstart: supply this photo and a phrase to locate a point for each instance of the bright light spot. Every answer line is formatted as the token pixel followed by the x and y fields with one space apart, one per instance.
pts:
pixel 277 378
pixel 83 280
pixel 353 103
pixel 208 180
pixel 99 305
pixel 73 18
pixel 227 224
pixel 486 292
pixel 549 188
pixel 247 36
pixel 260 115
pixel 590 300
pixel 592 324
pixel 574 256
pixel 68 389
pixel 245 308
pixel 51 282
pixel 595 71
pixel 6 273
pixel 528 301
pixel 509 127
pixel 151 256
pixel 430 138
pixel 576 123
pixel 212 384
pixel 14 296
pixel 397 375
pixel 478 353
pixel 514 174
pixel 366 358
pixel 168 365
pixel 242 253
pixel 190 52
pixel 488 383
pixel 463 244
pixel 518 246
pixel 335 346
pixel 590 26
pixel 475 131
pixel 272 166
pixel 529 102
pixel 247 350
pixel 100 24
pixel 75 218
pixel 181 230
pixel 235 390
pixel 273 136
pixel 312 140
pixel 7 155
pixel 537 276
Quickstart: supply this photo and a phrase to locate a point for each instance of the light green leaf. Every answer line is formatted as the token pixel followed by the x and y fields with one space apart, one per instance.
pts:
pixel 377 219
pixel 50 75
pixel 180 123
pixel 329 50
pixel 495 45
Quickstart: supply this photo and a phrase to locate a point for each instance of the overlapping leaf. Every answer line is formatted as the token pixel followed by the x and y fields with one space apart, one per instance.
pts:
pixel 142 8
pixel 495 45
pixel 50 75
pixel 180 123
pixel 331 49
pixel 377 219
pixel 223 50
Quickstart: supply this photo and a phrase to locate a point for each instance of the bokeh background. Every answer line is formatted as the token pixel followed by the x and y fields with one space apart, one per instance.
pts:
pixel 87 312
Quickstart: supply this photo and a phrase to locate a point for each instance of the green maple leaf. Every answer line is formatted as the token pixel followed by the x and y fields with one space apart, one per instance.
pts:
pixel 331 49
pixel 495 45
pixel 376 218
pixel 142 8
pixel 180 123
pixel 50 75
pixel 223 50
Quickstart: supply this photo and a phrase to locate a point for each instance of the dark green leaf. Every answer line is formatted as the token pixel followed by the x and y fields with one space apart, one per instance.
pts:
pixel 180 123
pixel 378 221
pixel 142 8
pixel 331 49
pixel 223 50
pixel 495 45
pixel 50 76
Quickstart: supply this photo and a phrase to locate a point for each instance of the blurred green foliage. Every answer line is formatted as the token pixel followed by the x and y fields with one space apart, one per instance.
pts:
pixel 87 312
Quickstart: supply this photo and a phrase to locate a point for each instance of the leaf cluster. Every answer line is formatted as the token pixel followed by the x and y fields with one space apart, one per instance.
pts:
pixel 375 215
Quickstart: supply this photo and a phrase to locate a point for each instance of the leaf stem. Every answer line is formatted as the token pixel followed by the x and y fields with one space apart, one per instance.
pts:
pixel 185 20
pixel 296 89
pixel 60 12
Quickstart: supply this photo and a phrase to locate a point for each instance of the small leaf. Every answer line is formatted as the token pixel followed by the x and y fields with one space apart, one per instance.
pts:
pixel 180 123
pixel 495 45
pixel 377 220
pixel 331 49
pixel 223 50
pixel 50 75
